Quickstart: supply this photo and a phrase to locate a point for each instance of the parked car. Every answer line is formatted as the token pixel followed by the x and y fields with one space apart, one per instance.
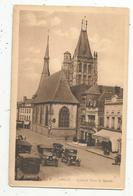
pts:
pixel 47 156
pixel 19 124
pixel 22 146
pixel 27 167
pixel 58 149
pixel 70 157
pixel 117 160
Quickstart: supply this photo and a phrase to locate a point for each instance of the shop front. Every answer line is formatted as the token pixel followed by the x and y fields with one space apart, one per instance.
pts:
pixel 86 136
pixel 108 140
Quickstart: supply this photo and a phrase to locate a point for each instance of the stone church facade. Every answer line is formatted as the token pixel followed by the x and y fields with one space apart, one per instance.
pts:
pixel 55 107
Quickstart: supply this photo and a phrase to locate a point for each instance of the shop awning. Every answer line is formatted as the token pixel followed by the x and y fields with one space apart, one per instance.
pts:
pixel 104 134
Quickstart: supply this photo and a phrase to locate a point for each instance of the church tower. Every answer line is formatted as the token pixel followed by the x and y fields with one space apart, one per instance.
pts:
pixel 45 72
pixel 82 67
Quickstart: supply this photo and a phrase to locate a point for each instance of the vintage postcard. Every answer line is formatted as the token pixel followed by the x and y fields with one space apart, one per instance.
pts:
pixel 69 97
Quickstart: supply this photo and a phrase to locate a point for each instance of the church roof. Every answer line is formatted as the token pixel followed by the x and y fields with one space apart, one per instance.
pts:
pixel 83 46
pixel 55 89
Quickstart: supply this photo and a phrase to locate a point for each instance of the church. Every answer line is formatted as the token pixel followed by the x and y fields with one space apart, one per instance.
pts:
pixel 55 107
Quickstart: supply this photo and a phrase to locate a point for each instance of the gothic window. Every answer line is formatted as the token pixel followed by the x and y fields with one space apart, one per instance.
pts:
pixel 89 79
pixel 84 79
pixel 85 68
pixel 41 114
pixel 36 112
pixel 80 67
pixel 78 79
pixel 89 69
pixel 64 117
pixel 46 116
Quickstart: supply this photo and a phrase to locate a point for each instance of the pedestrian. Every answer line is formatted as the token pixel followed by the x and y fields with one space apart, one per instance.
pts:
pixel 49 129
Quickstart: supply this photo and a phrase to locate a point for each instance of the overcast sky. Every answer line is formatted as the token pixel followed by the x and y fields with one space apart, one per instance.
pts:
pixel 106 33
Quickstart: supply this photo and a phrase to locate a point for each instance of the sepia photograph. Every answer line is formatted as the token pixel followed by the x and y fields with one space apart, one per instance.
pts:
pixel 69 97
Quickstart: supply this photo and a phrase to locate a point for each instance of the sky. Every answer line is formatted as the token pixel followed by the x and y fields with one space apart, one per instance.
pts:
pixel 106 33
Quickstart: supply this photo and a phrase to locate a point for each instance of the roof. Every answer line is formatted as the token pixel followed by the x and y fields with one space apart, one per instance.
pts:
pixel 54 89
pixel 83 46
pixel 78 90
pixel 94 90
pixel 102 89
pixel 106 134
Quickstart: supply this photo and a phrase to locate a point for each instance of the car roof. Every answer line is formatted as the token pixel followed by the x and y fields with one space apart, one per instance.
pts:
pixel 29 155
pixel 23 142
pixel 58 144
pixel 43 146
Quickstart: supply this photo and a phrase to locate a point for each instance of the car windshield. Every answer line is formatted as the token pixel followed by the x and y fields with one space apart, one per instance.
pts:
pixel 72 151
pixel 47 151
pixel 57 145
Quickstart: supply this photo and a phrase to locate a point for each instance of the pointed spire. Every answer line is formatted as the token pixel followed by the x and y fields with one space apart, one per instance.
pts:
pixel 46 72
pixel 83 46
pixel 84 24
pixel 47 48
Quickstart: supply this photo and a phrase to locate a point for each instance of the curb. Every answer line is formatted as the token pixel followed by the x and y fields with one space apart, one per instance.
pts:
pixel 91 151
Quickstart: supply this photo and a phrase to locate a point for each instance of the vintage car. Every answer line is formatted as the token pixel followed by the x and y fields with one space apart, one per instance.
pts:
pixel 22 146
pixel 27 167
pixel 47 156
pixel 58 149
pixel 117 160
pixel 70 157
pixel 19 124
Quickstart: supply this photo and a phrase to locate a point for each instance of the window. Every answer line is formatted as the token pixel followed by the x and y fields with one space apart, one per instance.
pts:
pixel 119 123
pixel 46 116
pixel 80 67
pixel 84 79
pixel 40 115
pixel 82 119
pixel 78 79
pixel 91 120
pixel 107 122
pixel 64 117
pixel 89 69
pixel 85 68
pixel 113 123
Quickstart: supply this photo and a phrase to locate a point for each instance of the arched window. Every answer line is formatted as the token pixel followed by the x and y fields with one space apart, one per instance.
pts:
pixel 46 116
pixel 64 117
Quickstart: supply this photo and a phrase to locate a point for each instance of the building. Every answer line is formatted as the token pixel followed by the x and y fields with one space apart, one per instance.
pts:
pixel 81 68
pixel 113 113
pixel 92 108
pixel 54 105
pixel 24 112
pixel 111 133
